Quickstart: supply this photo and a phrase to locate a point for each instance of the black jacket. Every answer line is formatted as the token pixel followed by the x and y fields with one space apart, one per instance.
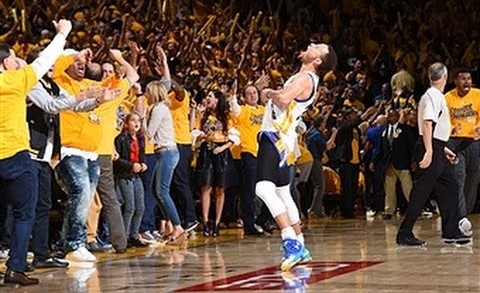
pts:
pixel 122 167
pixel 400 152
pixel 40 123
pixel 343 141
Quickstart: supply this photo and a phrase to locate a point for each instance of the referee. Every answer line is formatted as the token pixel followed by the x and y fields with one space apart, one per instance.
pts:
pixel 434 160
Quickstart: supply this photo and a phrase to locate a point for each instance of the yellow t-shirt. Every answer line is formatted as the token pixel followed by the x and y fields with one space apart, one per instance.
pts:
pixel 180 111
pixel 22 51
pixel 305 155
pixel 108 115
pixel 213 128
pixel 355 147
pixel 80 130
pixel 236 152
pixel 248 123
pixel 123 110
pixel 356 104
pixel 14 86
pixel 464 111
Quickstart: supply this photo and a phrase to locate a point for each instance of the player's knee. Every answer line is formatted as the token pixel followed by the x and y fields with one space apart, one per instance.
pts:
pixel 285 195
pixel 265 190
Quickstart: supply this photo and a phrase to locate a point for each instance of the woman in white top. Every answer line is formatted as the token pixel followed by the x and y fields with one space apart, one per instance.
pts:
pixel 161 133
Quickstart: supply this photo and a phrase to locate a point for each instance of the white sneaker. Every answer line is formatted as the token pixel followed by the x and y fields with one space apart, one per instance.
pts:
pixel 427 214
pixel 147 237
pixel 81 255
pixel 258 228
pixel 81 275
pixel 4 254
pixel 157 235
pixel 465 227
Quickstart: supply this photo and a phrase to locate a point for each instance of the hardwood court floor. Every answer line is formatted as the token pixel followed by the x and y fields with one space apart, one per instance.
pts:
pixel 349 256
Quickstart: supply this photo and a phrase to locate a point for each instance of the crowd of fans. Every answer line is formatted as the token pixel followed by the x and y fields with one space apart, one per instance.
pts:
pixel 216 49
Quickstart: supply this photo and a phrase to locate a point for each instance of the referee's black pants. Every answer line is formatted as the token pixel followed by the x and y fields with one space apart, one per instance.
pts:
pixel 438 178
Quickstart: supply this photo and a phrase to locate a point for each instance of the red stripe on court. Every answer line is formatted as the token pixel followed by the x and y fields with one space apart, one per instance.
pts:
pixel 272 278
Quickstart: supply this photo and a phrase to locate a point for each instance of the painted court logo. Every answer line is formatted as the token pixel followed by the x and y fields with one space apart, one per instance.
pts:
pixel 273 279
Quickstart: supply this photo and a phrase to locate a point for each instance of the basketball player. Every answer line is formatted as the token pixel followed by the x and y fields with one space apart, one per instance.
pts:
pixel 277 140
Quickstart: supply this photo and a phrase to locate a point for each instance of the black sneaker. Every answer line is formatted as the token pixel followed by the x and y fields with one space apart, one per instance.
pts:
pixel 50 263
pixel 387 216
pixel 460 239
pixel 266 227
pixel 253 232
pixel 96 247
pixel 409 240
pixel 136 242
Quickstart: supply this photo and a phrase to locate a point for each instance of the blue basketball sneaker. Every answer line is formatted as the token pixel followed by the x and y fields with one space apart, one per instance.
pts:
pixel 294 252
pixel 306 256
pixel 296 280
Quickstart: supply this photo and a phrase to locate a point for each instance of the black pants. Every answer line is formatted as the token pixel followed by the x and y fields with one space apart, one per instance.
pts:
pixel 232 190
pixel 268 161
pixel 180 187
pixel 438 178
pixel 247 203
pixel 467 173
pixel 41 226
pixel 349 180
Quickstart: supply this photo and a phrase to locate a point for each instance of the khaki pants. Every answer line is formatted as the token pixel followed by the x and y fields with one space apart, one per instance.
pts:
pixel 93 218
pixel 391 176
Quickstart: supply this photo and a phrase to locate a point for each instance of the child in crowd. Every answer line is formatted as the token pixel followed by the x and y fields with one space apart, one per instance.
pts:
pixel 130 145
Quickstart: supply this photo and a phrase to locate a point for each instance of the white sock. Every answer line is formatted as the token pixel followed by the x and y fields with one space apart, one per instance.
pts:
pixel 288 233
pixel 301 238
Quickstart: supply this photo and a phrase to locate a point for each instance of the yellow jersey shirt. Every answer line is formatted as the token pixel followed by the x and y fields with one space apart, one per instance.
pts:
pixel 464 111
pixel 213 128
pixel 305 155
pixel 356 104
pixel 14 87
pixel 248 123
pixel 125 108
pixel 108 115
pixel 355 147
pixel 235 151
pixel 92 131
pixel 179 111
pixel 80 130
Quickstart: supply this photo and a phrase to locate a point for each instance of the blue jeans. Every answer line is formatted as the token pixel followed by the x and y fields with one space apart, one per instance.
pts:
pixel 40 231
pixel 131 197
pixel 149 220
pixel 167 160
pixel 78 177
pixel 18 182
pixel 6 223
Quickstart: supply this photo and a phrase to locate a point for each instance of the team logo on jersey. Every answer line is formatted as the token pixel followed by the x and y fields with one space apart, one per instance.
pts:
pixel 256 119
pixel 466 112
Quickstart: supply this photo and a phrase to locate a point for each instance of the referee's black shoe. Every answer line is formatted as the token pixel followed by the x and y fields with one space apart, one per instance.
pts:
pixel 408 239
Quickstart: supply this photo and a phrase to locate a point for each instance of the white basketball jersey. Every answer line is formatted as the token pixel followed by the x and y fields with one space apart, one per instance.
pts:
pixel 284 121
